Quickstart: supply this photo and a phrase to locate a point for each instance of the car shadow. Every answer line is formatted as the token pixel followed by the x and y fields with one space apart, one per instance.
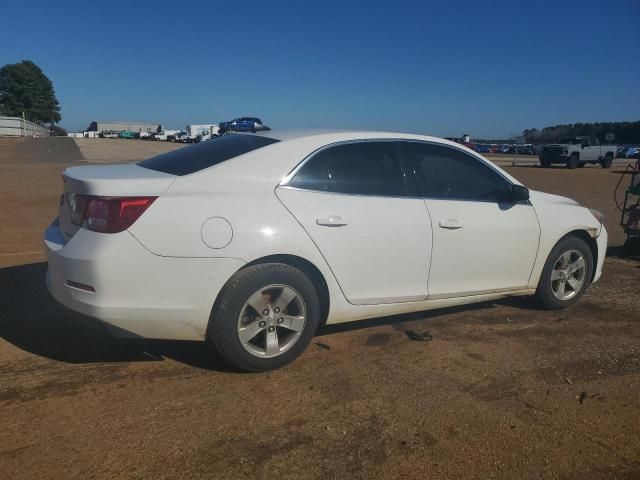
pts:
pixel 32 321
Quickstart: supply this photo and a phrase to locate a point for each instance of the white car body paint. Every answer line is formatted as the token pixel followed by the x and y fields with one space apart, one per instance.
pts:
pixel 161 277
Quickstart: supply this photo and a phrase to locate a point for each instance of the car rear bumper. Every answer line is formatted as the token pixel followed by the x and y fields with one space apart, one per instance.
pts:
pixel 112 278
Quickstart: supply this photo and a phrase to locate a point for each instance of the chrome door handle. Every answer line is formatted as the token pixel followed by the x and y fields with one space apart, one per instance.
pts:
pixel 331 221
pixel 450 224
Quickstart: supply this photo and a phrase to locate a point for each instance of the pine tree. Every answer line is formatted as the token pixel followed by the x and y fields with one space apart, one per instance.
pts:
pixel 24 88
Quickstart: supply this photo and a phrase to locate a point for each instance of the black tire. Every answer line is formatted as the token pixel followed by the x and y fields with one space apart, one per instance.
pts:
pixel 607 161
pixel 573 161
pixel 223 324
pixel 544 293
pixel 545 163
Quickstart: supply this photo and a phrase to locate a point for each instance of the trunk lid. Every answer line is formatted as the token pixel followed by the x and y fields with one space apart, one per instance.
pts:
pixel 128 180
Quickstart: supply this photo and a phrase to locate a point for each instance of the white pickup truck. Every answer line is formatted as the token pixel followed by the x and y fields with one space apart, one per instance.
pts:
pixel 577 152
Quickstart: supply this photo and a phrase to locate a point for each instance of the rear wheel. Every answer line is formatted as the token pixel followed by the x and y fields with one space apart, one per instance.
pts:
pixel 265 318
pixel 573 161
pixel 566 274
pixel 607 161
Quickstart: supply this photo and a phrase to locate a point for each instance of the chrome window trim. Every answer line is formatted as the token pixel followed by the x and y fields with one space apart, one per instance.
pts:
pixel 287 179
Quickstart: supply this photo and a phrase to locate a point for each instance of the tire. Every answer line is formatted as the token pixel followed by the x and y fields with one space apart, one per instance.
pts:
pixel 573 161
pixel 264 285
pixel 607 161
pixel 545 163
pixel 581 165
pixel 549 289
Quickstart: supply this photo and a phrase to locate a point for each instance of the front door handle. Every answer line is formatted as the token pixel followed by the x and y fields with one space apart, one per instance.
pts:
pixel 450 224
pixel 331 221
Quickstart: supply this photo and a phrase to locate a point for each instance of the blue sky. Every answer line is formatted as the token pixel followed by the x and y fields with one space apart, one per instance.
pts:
pixel 443 68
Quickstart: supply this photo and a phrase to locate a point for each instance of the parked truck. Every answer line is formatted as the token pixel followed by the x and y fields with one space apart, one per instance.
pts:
pixel 198 133
pixel 577 152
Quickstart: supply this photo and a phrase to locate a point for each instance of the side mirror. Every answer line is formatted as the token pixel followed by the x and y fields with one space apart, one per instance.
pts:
pixel 519 193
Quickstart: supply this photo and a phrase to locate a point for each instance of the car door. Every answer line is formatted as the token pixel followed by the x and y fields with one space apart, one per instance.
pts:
pixel 482 242
pixel 594 148
pixel 590 151
pixel 351 199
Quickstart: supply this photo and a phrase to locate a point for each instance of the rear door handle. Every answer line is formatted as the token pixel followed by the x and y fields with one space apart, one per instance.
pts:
pixel 450 224
pixel 331 221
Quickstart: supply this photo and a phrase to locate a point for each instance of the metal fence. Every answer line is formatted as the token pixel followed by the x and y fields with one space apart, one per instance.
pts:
pixel 18 127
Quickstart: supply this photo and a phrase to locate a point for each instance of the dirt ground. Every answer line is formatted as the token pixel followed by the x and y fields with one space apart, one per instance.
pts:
pixel 503 390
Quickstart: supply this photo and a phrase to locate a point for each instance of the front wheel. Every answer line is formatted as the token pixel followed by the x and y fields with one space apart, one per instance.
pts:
pixel 607 161
pixel 265 318
pixel 566 274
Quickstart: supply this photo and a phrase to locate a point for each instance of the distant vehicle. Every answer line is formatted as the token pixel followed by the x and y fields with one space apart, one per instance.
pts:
pixel 249 240
pixel 577 152
pixel 243 124
pixel 627 152
pixel 109 134
pixel 127 134
pixel 633 152
pixel 621 152
pixel 524 149
pixel 144 135
pixel 180 136
pixel 164 135
pixel 504 148
pixel 481 148
pixel 199 133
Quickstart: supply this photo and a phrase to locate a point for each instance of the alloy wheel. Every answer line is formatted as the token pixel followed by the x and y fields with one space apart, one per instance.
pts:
pixel 568 275
pixel 271 321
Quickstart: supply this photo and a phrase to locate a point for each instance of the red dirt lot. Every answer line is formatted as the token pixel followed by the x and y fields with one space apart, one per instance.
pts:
pixel 503 389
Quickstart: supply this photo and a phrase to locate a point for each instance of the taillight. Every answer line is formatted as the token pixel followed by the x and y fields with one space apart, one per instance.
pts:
pixel 108 214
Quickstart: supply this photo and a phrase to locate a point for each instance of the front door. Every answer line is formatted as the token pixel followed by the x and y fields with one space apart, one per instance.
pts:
pixel 482 243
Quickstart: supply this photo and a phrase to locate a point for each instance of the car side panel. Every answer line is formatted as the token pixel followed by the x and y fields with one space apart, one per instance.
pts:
pixel 559 216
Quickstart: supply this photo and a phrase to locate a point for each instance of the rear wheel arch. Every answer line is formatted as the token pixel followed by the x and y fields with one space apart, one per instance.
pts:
pixel 302 264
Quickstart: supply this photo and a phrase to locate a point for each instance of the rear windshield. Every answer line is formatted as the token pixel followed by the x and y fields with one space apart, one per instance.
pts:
pixel 206 154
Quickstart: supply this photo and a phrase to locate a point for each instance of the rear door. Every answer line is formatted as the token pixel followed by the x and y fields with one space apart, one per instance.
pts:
pixel 351 199
pixel 482 243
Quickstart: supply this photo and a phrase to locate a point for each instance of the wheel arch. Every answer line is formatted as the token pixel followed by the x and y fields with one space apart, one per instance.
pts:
pixel 302 264
pixel 590 241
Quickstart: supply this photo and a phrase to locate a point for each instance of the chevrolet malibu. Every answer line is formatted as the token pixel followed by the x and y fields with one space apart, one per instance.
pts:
pixel 254 241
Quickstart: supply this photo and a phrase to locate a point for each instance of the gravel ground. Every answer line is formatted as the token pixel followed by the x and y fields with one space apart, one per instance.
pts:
pixel 502 390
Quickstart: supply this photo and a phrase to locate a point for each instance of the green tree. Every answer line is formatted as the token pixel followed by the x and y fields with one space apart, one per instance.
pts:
pixel 24 88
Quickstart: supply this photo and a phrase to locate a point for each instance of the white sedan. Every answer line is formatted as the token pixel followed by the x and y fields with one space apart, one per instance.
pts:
pixel 254 241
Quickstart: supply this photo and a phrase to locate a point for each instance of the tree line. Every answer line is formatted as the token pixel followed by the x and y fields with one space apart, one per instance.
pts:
pixel 624 132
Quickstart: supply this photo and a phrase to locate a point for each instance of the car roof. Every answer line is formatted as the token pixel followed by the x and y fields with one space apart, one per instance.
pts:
pixel 331 135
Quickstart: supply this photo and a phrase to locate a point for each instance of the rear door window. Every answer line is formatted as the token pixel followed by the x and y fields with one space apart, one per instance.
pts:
pixel 360 168
pixel 184 161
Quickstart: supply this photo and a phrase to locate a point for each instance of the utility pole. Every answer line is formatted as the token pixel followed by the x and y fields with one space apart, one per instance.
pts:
pixel 24 126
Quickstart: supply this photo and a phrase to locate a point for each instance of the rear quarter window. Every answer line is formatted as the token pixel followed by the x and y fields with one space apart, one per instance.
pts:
pixel 206 154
